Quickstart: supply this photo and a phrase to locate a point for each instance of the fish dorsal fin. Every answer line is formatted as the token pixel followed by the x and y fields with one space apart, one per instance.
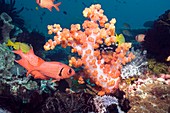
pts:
pixel 33 59
pixel 31 51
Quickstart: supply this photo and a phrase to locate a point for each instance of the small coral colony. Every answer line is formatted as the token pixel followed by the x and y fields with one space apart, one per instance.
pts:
pixel 102 72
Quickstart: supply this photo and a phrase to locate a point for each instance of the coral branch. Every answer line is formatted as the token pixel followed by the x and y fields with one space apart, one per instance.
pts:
pixel 102 67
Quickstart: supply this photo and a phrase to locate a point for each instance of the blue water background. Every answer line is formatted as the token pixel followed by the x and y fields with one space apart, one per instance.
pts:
pixel 133 12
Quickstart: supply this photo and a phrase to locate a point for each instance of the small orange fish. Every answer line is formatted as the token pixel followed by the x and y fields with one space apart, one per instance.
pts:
pixel 48 4
pixel 140 38
pixel 126 25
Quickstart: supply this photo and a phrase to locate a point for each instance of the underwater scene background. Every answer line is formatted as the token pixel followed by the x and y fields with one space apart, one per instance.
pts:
pixel 134 12
pixel 84 56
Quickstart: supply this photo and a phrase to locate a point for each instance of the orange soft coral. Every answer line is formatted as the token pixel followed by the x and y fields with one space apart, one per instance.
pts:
pixel 102 67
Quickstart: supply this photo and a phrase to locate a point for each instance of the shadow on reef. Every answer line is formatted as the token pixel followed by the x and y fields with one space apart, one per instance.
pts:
pixel 8 6
pixel 157 39
pixel 35 39
pixel 58 102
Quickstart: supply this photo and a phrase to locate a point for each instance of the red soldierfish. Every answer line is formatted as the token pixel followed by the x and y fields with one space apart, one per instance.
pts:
pixel 55 70
pixel 48 4
pixel 41 69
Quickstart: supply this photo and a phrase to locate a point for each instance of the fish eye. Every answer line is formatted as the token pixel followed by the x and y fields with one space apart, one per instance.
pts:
pixel 70 71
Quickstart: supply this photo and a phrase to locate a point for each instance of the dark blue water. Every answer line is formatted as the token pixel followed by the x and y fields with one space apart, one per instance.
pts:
pixel 133 12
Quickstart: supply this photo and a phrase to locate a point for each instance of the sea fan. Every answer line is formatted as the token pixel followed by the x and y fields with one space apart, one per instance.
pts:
pixel 68 103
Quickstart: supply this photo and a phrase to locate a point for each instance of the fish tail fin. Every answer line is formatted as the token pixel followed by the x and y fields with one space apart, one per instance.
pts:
pixel 117 37
pixel 121 39
pixel 56 6
pixel 10 43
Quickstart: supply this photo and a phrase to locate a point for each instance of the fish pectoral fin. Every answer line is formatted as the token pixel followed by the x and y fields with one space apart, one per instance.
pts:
pixel 55 80
pixel 29 72
pixel 40 76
